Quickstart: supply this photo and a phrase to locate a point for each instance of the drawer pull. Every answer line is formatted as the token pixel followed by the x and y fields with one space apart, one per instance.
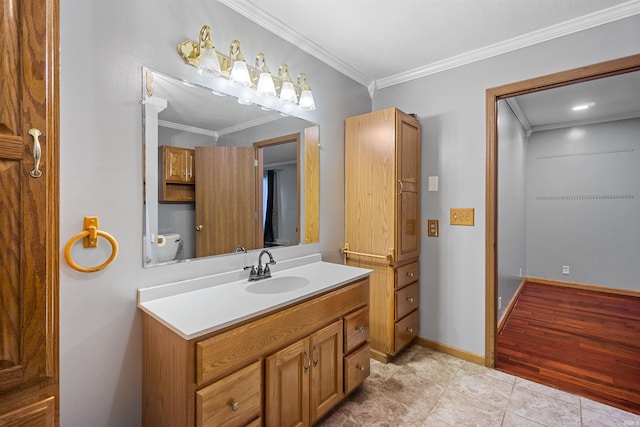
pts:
pixel 410 330
pixel 360 367
pixel 410 299
pixel 235 405
pixel 410 273
pixel 360 328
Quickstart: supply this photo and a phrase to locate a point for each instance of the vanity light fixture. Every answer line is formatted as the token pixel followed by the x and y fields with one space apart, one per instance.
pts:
pixel 306 102
pixel 265 86
pixel 201 55
pixel 239 72
pixel 287 91
pixel 247 83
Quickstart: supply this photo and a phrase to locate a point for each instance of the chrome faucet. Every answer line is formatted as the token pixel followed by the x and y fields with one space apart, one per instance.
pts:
pixel 261 272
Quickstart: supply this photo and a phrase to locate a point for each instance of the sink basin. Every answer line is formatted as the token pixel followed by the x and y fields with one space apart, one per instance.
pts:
pixel 277 285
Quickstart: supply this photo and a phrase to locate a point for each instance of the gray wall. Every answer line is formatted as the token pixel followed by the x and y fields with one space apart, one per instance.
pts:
pixel 512 218
pixel 104 45
pixel 583 199
pixel 451 108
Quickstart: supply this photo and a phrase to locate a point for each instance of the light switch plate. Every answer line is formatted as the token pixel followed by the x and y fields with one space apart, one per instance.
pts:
pixel 461 216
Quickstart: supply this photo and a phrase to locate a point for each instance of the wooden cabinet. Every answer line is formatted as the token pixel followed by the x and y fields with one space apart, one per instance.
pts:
pixel 177 183
pixel 382 218
pixel 286 367
pixel 304 380
pixel 29 260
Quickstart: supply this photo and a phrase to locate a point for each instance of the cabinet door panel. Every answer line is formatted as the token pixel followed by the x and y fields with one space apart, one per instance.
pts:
pixel 287 386
pixel 326 371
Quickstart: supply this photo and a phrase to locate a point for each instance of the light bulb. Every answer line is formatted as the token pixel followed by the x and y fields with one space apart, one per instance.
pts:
pixel 288 93
pixel 240 74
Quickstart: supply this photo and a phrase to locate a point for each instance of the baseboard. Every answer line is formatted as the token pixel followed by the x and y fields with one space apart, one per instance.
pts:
pixel 452 351
pixel 586 287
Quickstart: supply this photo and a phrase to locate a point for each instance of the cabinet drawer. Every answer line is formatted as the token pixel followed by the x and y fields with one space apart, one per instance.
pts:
pixel 356 368
pixel 235 400
pixel 407 274
pixel 407 300
pixel 356 329
pixel 406 330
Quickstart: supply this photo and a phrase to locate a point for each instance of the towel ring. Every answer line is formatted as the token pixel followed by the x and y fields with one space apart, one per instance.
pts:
pixel 90 236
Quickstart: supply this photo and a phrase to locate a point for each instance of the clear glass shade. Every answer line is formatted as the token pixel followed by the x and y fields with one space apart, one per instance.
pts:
pixel 265 85
pixel 306 101
pixel 209 63
pixel 288 93
pixel 240 74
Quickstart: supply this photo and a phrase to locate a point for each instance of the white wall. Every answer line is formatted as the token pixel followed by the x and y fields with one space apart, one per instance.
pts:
pixel 583 196
pixel 104 45
pixel 451 108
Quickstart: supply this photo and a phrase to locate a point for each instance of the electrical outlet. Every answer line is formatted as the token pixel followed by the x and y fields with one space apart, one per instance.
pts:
pixel 566 269
pixel 432 227
pixel 461 216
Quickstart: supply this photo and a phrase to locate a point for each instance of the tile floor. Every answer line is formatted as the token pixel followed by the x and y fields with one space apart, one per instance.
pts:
pixel 423 387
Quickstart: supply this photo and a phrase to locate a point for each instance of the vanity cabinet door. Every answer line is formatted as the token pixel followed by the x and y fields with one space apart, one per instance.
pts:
pixel 178 174
pixel 287 386
pixel 326 369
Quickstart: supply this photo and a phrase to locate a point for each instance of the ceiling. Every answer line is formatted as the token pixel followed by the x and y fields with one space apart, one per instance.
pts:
pixel 380 43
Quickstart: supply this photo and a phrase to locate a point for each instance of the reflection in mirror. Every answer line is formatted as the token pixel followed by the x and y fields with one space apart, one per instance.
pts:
pixel 221 177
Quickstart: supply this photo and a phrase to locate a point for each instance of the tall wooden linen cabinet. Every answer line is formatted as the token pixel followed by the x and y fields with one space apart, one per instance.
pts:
pixel 29 213
pixel 382 221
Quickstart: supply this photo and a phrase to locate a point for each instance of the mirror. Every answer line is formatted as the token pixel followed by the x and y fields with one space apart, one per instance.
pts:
pixel 222 177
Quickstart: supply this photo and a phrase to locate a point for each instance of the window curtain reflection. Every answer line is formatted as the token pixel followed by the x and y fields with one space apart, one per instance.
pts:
pixel 270 208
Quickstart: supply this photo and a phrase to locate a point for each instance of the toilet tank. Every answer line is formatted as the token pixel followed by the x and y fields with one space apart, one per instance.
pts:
pixel 167 246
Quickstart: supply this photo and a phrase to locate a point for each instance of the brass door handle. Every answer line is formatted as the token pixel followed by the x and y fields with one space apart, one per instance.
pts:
pixel 199 228
pixel 235 405
pixel 37 152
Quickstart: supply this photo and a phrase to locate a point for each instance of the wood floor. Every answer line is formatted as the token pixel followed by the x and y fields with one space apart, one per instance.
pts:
pixel 582 341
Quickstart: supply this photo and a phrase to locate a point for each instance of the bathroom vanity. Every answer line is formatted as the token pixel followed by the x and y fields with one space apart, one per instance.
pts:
pixel 279 351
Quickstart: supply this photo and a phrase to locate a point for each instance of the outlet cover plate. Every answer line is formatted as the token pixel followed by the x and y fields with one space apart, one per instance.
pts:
pixel 432 227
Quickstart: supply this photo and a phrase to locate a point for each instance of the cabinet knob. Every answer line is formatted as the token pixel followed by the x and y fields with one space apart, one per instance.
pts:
pixel 360 328
pixel 410 273
pixel 360 367
pixel 410 330
pixel 235 405
pixel 199 228
pixel 410 299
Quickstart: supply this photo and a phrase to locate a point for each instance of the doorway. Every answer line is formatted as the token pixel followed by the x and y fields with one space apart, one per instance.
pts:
pixel 493 95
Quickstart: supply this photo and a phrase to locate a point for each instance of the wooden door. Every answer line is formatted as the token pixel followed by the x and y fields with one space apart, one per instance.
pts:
pixel 29 212
pixel 287 386
pixel 174 164
pixel 370 185
pixel 312 184
pixel 225 200
pixel 408 178
pixel 326 370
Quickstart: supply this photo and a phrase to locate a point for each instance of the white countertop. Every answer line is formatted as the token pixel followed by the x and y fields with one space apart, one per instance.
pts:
pixel 196 307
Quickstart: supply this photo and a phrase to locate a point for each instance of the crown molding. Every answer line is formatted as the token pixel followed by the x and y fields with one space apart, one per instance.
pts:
pixel 278 28
pixel 585 22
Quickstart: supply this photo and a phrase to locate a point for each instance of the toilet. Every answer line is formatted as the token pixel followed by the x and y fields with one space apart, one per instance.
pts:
pixel 167 247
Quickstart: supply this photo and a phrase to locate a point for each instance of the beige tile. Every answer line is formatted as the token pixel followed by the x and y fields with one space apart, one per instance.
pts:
pixel 513 420
pixel 476 384
pixel 521 383
pixel 545 409
pixel 434 367
pixel 458 409
pixel 595 414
